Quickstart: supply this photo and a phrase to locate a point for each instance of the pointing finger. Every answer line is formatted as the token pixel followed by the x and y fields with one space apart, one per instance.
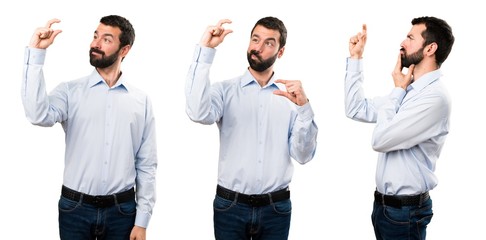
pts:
pixel 52 21
pixel 398 66
pixel 223 21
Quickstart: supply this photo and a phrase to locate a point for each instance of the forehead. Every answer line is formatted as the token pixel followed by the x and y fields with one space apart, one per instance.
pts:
pixel 265 33
pixel 105 30
pixel 417 30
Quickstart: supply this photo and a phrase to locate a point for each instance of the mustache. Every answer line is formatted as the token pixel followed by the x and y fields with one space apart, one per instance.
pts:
pixel 91 50
pixel 254 52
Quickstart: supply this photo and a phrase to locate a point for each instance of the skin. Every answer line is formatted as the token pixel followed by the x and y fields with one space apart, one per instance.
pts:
pixel 265 42
pixel 106 38
pixel 413 43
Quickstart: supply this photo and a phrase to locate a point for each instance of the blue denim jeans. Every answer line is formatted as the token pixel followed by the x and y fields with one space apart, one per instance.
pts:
pixel 80 221
pixel 405 223
pixel 237 221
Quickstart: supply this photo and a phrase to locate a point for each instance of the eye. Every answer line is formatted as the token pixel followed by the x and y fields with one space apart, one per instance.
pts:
pixel 107 40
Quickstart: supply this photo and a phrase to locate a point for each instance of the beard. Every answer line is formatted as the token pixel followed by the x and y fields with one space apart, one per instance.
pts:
pixel 413 58
pixel 104 61
pixel 261 64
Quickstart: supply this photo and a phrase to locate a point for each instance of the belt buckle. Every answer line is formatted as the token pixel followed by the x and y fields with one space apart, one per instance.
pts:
pixel 256 200
pixel 100 201
pixel 253 200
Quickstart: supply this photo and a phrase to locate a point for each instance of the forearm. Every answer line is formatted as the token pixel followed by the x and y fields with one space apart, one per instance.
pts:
pixel 304 135
pixel 198 88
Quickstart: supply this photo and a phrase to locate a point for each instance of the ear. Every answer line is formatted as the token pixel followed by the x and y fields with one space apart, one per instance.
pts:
pixel 281 52
pixel 124 50
pixel 430 49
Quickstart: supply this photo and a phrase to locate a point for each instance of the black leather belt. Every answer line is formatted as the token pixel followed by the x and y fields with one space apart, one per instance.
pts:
pixel 256 200
pixel 99 200
pixel 399 201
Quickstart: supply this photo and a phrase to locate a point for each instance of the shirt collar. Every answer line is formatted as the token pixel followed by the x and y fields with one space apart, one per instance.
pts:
pixel 248 79
pixel 95 79
pixel 426 80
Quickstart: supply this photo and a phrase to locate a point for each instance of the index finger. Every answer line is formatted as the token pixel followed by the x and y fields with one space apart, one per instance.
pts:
pixel 398 66
pixel 52 21
pixel 365 28
pixel 281 81
pixel 223 21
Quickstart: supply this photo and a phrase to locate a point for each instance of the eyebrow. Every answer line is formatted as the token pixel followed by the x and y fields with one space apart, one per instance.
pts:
pixel 105 35
pixel 268 39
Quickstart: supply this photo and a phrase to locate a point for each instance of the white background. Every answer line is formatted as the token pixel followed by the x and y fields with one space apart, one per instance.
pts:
pixel 332 195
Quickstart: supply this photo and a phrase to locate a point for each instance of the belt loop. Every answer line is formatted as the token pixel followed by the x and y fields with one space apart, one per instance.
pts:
pixel 116 199
pixel 270 198
pixel 81 197
pixel 421 200
pixel 236 197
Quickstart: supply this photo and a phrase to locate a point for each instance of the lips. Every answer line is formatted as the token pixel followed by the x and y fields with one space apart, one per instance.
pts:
pixel 96 52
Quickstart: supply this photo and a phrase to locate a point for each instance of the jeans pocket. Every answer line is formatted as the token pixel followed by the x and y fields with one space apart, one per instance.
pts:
pixel 283 207
pixel 67 205
pixel 397 215
pixel 127 208
pixel 221 204
pixel 423 215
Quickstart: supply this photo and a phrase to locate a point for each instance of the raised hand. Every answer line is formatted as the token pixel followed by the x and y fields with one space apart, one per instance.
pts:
pixel 214 35
pixel 357 44
pixel 295 91
pixel 44 36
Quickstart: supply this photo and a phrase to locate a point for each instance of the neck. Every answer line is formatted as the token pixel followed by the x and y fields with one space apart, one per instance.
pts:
pixel 110 74
pixel 423 68
pixel 262 77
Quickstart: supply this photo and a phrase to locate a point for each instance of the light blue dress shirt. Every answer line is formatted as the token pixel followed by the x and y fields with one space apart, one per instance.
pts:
pixel 259 131
pixel 411 127
pixel 110 132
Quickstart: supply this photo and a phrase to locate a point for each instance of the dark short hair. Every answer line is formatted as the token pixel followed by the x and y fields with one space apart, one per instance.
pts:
pixel 438 31
pixel 274 24
pixel 127 36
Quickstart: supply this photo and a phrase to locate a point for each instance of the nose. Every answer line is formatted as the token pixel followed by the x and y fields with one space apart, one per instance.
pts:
pixel 95 43
pixel 260 47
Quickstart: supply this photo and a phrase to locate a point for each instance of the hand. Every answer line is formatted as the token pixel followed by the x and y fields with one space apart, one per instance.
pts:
pixel 400 79
pixel 44 36
pixel 214 35
pixel 138 233
pixel 357 44
pixel 294 93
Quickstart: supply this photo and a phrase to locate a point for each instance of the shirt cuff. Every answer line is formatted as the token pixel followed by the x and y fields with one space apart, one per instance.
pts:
pixel 305 111
pixel 142 219
pixel 35 56
pixel 204 54
pixel 398 94
pixel 354 65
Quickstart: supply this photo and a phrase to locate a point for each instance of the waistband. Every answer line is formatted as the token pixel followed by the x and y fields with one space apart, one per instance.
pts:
pixel 398 201
pixel 254 200
pixel 98 200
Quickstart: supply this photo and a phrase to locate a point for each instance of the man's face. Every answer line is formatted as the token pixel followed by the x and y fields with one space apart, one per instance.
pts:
pixel 412 58
pixel 105 47
pixel 259 64
pixel 263 50
pixel 412 48
pixel 99 59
